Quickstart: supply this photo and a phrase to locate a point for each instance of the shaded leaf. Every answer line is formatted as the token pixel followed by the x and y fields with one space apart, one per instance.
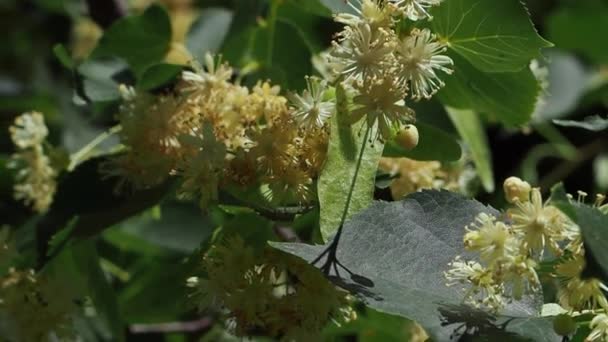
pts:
pixel 433 144
pixel 472 131
pixel 402 250
pixel 336 178
pixel 494 36
pixel 591 123
pixel 509 97
pixel 98 79
pixel 208 32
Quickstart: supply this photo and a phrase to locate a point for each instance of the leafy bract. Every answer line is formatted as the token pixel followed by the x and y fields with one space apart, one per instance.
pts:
pixel 471 130
pixel 591 123
pixel 433 144
pixel 509 97
pixel 335 181
pixel 495 36
pixel 399 252
pixel 141 40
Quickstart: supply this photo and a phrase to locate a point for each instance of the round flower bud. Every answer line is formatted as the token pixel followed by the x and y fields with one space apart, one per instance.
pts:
pixel 407 137
pixel 516 190
pixel 564 325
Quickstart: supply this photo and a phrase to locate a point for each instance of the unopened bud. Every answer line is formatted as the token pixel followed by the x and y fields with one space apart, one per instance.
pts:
pixel 516 190
pixel 407 137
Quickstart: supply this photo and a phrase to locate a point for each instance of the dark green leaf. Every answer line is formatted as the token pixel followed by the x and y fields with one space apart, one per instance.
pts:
pixel 401 250
pixel 581 27
pixel 509 97
pixel 471 130
pixel 591 123
pixel 433 144
pixel 180 227
pixel 336 178
pixel 141 40
pixel 158 75
pixel 494 36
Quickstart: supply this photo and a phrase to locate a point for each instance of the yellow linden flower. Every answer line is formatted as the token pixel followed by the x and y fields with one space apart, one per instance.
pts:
pixel 481 288
pixel 416 175
pixel 599 326
pixel 574 292
pixel 492 239
pixel 416 9
pixel 539 224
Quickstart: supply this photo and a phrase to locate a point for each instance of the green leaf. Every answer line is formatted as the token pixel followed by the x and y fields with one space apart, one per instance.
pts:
pixel 63 56
pixel 593 123
pixel 208 32
pixel 399 251
pixel 509 97
pixel 494 36
pixel 158 75
pixel 471 130
pixel 141 40
pixel 433 144
pixel 581 26
pixel 336 178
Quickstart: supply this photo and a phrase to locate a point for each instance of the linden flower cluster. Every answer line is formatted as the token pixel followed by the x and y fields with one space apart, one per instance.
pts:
pixel 509 253
pixel 383 67
pixel 270 292
pixel 413 175
pixel 212 132
pixel 35 182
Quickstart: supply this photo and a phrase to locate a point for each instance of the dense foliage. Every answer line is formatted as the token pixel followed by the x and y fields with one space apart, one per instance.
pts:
pixel 303 170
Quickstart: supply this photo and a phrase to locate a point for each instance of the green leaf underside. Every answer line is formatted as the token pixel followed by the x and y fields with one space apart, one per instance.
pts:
pixel 495 36
pixel 434 144
pixel 142 40
pixel 593 123
pixel 208 32
pixel 508 97
pixel 403 248
pixel 335 180
pixel 471 130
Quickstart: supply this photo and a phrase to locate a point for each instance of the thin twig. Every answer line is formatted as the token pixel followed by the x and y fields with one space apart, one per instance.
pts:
pixel 172 327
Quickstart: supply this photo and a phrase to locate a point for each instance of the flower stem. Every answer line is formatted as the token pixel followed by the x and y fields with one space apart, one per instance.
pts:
pixel 83 153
